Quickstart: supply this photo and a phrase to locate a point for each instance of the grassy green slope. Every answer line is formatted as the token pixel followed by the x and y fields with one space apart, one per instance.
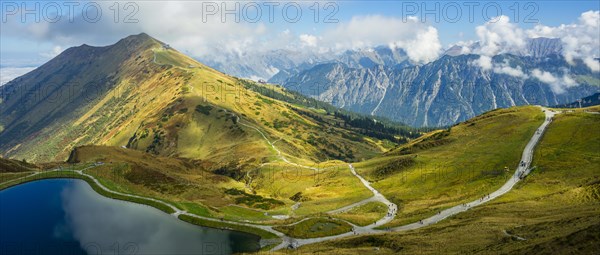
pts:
pixel 450 167
pixel 555 209
pixel 80 97
pixel 152 98
pixel 13 166
pixel 164 106
pixel 13 169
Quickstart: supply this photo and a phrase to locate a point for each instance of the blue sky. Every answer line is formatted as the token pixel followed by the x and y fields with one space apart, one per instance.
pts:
pixel 550 13
pixel 32 43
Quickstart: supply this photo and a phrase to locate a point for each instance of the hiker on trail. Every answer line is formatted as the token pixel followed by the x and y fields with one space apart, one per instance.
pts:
pixel 421 221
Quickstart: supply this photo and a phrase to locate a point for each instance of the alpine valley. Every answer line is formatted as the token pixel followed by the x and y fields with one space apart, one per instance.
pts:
pixel 325 169
pixel 382 81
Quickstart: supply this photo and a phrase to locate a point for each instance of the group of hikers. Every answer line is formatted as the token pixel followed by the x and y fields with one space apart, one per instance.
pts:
pixel 484 197
pixel 391 213
pixel 521 173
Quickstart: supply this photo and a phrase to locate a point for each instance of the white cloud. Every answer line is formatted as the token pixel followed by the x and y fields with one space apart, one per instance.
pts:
pixel 271 70
pixel 9 73
pixel 186 30
pixel 500 36
pixel 592 63
pixel 420 40
pixel 426 47
pixel 255 78
pixel 178 23
pixel 497 36
pixel 557 84
pixel 463 46
pixel 568 81
pixel 505 68
pixel 485 62
pixel 580 41
pixel 308 40
pixel 53 53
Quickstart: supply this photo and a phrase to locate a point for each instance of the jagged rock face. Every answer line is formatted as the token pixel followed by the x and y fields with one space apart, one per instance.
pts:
pixel 278 65
pixel 354 89
pixel 543 47
pixel 443 92
pixel 369 58
pixel 262 65
pixel 540 47
pixel 361 58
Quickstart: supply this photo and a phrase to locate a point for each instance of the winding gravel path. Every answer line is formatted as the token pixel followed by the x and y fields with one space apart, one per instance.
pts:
pixel 176 210
pixel 377 197
pixel 522 171
pixel 288 242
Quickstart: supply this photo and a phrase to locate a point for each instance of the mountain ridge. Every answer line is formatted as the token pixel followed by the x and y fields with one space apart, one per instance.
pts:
pixel 412 94
pixel 142 94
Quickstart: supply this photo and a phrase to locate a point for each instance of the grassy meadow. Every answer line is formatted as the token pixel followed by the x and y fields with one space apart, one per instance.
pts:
pixel 552 211
pixel 452 166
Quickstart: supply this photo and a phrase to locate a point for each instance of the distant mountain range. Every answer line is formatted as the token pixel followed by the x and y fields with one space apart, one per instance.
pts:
pixel 278 65
pixel 262 65
pixel 583 102
pixel 537 48
pixel 382 81
pixel 443 92
pixel 365 58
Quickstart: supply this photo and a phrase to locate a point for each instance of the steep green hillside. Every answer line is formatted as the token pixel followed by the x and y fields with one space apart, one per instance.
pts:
pixel 13 169
pixel 142 94
pixel 553 211
pixel 135 172
pixel 171 128
pixel 194 187
pixel 13 166
pixel 453 166
pixel 79 97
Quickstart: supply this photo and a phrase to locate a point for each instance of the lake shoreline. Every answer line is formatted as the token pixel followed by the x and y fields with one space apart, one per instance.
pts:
pixel 49 175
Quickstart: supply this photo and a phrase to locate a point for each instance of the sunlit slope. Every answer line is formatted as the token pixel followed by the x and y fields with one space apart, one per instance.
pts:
pixel 453 166
pixel 136 172
pixel 11 170
pixel 216 118
pixel 144 95
pixel 192 185
pixel 552 211
pixel 86 95
pixel 13 166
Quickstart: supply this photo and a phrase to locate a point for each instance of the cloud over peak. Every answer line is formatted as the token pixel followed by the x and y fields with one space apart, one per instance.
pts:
pixel 499 35
pixel 557 84
pixel 420 41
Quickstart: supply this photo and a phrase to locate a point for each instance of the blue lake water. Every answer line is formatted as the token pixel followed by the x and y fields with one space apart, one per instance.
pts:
pixel 67 217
